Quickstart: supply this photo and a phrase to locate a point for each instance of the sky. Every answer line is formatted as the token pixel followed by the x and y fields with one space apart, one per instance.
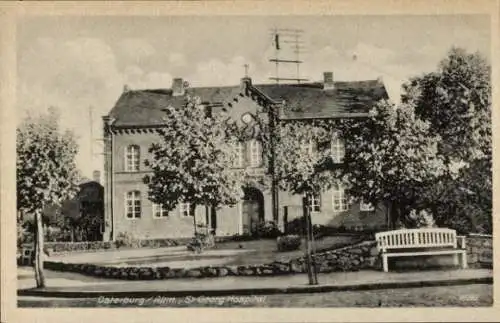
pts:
pixel 81 64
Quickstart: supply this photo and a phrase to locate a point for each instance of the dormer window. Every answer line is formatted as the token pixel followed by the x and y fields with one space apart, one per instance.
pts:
pixel 132 158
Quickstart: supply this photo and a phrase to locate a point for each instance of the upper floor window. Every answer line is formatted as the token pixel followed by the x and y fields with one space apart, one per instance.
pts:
pixel 186 209
pixel 255 153
pixel 337 149
pixel 315 202
pixel 133 204
pixel 240 149
pixel 307 147
pixel 159 211
pixel 339 200
pixel 132 158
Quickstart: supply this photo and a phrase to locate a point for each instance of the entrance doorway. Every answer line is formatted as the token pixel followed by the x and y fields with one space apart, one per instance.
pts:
pixel 252 209
pixel 211 220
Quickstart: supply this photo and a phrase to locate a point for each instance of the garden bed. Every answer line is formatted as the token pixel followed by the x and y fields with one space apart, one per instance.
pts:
pixel 351 258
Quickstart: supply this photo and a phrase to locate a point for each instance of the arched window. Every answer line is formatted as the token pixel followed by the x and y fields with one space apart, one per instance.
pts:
pixel 255 153
pixel 132 158
pixel 339 200
pixel 133 204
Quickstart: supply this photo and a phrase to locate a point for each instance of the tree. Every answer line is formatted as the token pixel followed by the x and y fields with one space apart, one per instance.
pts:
pixel 390 158
pixel 46 172
pixel 456 101
pixel 192 161
pixel 304 166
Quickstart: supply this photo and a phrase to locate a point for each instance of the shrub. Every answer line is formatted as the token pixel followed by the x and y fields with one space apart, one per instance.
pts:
pixel 267 229
pixel 295 226
pixel 422 219
pixel 127 239
pixel 288 242
pixel 200 242
pixel 79 246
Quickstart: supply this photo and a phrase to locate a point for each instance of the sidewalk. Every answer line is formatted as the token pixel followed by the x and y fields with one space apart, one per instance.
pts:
pixel 76 285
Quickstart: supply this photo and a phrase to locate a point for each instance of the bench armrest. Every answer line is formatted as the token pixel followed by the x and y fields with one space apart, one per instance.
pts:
pixel 461 242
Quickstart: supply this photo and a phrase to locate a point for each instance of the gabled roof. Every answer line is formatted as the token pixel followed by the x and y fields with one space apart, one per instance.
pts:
pixel 302 101
pixel 312 101
pixel 144 107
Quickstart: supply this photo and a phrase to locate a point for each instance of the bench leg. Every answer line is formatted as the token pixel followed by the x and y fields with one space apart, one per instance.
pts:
pixel 463 258
pixel 385 263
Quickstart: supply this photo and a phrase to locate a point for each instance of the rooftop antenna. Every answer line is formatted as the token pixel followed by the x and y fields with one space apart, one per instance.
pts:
pixel 282 37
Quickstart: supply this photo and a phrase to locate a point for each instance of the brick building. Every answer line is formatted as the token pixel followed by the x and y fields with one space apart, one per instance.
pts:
pixel 130 128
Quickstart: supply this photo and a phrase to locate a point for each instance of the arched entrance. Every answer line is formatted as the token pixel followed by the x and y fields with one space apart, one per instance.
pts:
pixel 252 209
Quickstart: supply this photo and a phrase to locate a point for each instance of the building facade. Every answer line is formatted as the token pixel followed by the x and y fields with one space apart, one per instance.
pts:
pixel 131 127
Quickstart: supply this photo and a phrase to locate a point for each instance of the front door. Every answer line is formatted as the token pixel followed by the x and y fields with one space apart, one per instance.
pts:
pixel 252 210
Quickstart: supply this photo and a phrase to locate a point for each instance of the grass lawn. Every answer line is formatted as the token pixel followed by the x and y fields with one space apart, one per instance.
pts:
pixel 265 250
pixel 463 296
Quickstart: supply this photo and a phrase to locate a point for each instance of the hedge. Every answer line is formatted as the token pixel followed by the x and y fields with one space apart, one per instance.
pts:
pixel 61 247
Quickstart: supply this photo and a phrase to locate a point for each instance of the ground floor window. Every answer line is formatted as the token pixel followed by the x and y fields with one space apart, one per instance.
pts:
pixel 159 211
pixel 186 209
pixel 315 202
pixel 133 204
pixel 339 200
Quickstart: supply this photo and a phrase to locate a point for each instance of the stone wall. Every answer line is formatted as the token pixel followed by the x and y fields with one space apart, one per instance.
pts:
pixel 356 257
pixel 479 250
pixel 351 258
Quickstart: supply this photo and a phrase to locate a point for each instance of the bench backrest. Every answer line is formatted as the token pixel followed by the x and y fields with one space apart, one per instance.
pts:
pixel 416 238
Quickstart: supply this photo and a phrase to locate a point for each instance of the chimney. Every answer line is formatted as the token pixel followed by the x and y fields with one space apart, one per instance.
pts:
pixel 96 176
pixel 177 87
pixel 244 83
pixel 328 81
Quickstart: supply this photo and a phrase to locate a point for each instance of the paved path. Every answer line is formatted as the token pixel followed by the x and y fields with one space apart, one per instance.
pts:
pixel 76 284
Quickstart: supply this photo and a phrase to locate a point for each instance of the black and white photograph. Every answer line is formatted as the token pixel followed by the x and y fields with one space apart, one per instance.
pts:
pixel 254 161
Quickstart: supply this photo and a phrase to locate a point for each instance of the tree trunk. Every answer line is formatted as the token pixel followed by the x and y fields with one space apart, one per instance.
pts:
pixel 388 213
pixel 207 218
pixel 309 262
pixel 194 220
pixel 38 263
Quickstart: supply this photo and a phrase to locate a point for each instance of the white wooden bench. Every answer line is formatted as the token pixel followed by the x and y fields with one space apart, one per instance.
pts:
pixel 420 242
